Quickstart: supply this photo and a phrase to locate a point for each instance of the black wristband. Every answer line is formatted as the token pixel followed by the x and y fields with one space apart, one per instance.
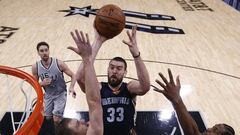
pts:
pixel 137 55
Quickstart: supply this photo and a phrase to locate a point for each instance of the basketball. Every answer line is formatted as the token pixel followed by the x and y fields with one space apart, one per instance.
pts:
pixel 109 21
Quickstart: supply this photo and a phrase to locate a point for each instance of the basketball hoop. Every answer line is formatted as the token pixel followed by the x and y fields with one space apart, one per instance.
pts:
pixel 34 121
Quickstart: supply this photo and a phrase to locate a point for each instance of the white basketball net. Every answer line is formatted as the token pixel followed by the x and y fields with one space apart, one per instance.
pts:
pixel 18 96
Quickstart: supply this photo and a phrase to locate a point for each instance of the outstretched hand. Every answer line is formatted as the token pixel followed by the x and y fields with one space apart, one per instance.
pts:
pixel 170 90
pixel 84 48
pixel 132 43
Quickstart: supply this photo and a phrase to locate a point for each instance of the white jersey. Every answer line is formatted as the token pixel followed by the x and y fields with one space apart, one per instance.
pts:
pixel 58 84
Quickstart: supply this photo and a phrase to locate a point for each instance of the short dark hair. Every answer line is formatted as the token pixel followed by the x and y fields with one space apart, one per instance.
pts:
pixel 63 129
pixel 41 44
pixel 228 130
pixel 121 60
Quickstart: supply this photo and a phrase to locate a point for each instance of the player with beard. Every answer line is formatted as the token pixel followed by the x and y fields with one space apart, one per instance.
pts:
pixel 50 71
pixel 118 97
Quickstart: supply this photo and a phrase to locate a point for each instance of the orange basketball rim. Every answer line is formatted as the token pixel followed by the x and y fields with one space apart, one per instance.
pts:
pixel 34 122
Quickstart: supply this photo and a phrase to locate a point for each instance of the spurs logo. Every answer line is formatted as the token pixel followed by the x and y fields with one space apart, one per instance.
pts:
pixel 6 32
pixel 86 11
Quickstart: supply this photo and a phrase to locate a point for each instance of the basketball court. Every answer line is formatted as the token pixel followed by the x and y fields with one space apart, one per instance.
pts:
pixel 198 40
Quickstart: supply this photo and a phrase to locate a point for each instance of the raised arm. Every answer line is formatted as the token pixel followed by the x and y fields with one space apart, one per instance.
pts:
pixel 98 41
pixel 171 91
pixel 64 68
pixel 142 86
pixel 92 87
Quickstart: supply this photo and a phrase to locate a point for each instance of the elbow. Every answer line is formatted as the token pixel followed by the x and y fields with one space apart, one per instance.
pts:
pixel 146 87
pixel 141 93
pixel 144 90
pixel 94 102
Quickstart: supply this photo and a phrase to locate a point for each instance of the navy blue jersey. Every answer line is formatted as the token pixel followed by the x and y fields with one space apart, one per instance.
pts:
pixel 118 110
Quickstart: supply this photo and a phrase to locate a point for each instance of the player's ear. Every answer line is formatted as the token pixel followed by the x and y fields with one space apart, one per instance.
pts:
pixel 125 73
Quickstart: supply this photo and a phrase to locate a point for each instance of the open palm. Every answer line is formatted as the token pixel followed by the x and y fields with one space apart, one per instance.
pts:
pixel 84 48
